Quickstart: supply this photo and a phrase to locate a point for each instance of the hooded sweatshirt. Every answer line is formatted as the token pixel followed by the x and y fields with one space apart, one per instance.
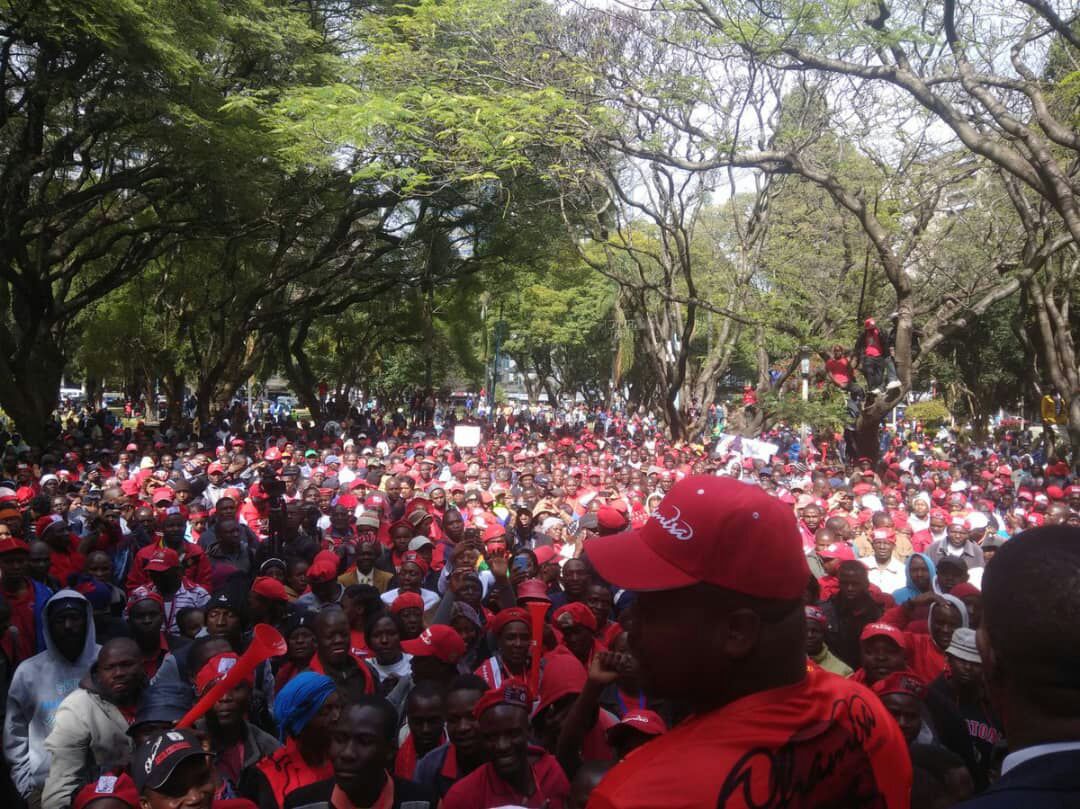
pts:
pixel 910 591
pixel 39 686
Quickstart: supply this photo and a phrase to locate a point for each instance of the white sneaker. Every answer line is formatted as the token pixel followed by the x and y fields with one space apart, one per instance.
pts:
pixel 893 385
pixel 876 391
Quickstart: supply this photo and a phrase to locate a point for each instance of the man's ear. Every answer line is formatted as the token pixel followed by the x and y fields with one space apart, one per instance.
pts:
pixel 993 673
pixel 741 631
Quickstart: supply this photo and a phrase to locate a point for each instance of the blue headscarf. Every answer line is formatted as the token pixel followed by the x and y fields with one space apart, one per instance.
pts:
pixel 299 701
pixel 911 591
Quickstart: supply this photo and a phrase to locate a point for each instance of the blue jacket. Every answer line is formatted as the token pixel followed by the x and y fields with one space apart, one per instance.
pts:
pixel 1046 782
pixel 41 595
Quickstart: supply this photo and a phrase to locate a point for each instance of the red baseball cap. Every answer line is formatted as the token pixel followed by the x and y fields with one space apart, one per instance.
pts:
pixel 879 630
pixel 162 560
pixel 643 721
pixel 10 544
pixel 884 533
pixel 514 692
pixel 117 787
pixel 269 587
pixel 544 554
pixel 709 529
pixel 901 682
pixel 43 524
pixel 610 519
pixel 437 641
pixel 407 601
pixel 144 594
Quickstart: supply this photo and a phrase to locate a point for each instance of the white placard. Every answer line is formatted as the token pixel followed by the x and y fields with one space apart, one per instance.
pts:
pixel 467 435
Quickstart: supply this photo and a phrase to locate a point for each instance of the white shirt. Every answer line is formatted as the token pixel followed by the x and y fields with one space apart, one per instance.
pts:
pixel 400 669
pixel 889 578
pixel 1026 754
pixel 430 598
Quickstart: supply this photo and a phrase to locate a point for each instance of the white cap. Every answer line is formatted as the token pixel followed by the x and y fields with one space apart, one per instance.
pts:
pixel 416 543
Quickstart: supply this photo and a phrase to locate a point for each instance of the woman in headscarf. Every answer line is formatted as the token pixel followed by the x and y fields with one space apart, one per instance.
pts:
pixel 307 709
pixel 921 574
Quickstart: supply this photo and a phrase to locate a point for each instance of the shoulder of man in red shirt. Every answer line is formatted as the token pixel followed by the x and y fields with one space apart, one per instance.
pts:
pixel 824 742
pixel 475 789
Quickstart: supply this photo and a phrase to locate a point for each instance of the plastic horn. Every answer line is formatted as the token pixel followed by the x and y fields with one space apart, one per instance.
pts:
pixel 537 611
pixel 266 643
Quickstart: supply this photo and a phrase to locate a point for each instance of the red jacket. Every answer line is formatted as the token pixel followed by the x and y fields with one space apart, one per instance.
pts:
pixel 63 563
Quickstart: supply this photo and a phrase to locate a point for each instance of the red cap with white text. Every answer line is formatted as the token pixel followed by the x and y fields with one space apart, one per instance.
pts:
pixel 712 530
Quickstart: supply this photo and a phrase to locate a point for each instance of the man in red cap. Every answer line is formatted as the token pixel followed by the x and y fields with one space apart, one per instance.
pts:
pixel 192 557
pixel 435 655
pixel 166 575
pixel 268 602
pixel 886 571
pixel 25 597
pixel 511 629
pixel 719 624
pixel 517 774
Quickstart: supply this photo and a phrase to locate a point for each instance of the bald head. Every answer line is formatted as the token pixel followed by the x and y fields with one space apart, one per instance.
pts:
pixel 1031 597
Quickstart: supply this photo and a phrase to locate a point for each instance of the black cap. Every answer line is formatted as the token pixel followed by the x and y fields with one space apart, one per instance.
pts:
pixel 156 759
pixel 290 471
pixel 226 599
pixel 305 619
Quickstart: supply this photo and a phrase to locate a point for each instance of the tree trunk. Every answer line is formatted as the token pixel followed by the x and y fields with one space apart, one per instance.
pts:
pixel 204 392
pixel 867 433
pixel 32 389
pixel 1073 427
pixel 298 370
pixel 676 424
pixel 174 398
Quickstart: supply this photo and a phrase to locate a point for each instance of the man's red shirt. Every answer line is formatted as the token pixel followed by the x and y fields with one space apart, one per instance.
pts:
pixel 823 742
pixel 483 787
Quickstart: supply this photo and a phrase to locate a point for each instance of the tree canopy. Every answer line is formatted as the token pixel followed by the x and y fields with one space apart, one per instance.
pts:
pixel 656 202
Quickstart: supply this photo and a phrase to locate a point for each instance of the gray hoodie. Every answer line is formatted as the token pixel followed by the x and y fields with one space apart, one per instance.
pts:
pixel 37 689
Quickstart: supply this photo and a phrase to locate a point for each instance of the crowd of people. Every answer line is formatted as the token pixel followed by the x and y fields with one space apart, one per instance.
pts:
pixel 555 617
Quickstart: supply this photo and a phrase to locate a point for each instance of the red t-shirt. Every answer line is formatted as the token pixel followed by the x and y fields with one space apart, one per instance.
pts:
pixel 824 742
pixel 839 370
pixel 872 346
pixel 483 788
